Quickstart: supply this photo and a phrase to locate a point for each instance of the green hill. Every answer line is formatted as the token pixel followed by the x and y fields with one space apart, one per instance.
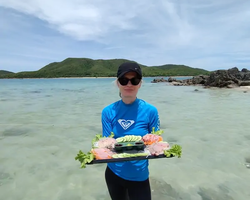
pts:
pixel 85 67
pixel 4 73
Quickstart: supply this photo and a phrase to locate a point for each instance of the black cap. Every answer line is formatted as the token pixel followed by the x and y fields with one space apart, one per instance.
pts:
pixel 129 67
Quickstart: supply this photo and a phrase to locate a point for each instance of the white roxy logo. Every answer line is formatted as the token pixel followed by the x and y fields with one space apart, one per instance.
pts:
pixel 125 124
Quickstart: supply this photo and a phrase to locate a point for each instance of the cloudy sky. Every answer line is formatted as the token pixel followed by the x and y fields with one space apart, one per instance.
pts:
pixel 211 34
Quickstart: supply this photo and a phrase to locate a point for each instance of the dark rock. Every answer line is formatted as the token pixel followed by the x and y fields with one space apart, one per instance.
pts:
pixel 245 70
pixel 171 79
pixel 246 76
pixel 222 78
pixel 244 83
pixel 177 83
pixel 233 85
pixel 157 80
pixel 230 78
pixel 199 79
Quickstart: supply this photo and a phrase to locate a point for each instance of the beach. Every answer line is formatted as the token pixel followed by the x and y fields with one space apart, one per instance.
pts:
pixel 243 88
pixel 45 122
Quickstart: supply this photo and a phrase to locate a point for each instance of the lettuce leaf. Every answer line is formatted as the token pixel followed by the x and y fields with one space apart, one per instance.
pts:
pixel 159 132
pixel 112 135
pixel 84 158
pixel 175 150
pixel 96 138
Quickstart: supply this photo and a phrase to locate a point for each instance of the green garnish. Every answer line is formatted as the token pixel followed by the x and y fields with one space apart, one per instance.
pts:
pixel 159 132
pixel 96 138
pixel 175 150
pixel 84 158
pixel 112 135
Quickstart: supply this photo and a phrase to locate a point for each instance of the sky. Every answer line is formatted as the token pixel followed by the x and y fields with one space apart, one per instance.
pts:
pixel 211 34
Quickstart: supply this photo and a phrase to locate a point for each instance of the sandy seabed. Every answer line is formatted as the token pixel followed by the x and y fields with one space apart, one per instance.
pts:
pixel 44 123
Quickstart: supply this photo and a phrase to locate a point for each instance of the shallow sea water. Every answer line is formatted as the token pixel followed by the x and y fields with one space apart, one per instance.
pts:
pixel 45 122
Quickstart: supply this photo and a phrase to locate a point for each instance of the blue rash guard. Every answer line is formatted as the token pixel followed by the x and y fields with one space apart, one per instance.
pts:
pixel 123 119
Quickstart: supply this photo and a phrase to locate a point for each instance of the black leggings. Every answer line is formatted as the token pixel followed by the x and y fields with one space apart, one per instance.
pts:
pixel 120 189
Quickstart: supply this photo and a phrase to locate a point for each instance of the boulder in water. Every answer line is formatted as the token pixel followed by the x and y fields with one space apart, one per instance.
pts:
pixel 230 78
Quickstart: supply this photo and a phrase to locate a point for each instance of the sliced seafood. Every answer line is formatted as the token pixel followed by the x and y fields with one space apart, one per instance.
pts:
pixel 149 138
pixel 106 143
pixel 158 148
pixel 102 153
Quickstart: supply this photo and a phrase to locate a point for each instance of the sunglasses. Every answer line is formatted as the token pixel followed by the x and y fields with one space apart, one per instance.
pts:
pixel 133 81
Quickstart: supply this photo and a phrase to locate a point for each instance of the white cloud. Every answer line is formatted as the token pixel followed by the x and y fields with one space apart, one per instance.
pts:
pixel 206 34
pixel 81 19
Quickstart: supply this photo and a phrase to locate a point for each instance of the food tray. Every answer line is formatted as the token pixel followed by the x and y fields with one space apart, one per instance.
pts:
pixel 127 150
pixel 111 160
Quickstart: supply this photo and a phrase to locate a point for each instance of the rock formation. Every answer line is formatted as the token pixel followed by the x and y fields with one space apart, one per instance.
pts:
pixel 220 78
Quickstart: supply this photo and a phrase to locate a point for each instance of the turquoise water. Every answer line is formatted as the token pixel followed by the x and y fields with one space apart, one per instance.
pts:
pixel 45 122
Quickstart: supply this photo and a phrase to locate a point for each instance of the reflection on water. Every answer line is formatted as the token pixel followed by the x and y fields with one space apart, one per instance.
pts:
pixel 14 132
pixel 161 189
pixel 209 194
